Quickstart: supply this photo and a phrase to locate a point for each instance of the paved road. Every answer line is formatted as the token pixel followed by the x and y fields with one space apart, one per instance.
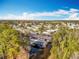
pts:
pixel 40 53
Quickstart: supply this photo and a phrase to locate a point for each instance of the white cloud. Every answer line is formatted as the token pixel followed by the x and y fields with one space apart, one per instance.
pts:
pixel 72 14
pixel 72 10
pixel 61 12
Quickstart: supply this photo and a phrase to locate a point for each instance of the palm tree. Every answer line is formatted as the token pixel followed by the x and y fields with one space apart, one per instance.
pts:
pixel 65 43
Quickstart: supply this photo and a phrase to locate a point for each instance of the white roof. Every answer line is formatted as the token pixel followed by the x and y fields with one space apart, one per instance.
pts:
pixel 52 30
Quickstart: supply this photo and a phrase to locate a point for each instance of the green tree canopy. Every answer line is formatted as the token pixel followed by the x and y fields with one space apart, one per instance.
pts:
pixel 9 41
pixel 64 43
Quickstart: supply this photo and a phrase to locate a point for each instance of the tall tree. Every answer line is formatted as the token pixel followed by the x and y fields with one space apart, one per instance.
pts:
pixel 9 42
pixel 65 43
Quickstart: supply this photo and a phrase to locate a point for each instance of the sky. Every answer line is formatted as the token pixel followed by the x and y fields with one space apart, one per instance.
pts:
pixel 39 9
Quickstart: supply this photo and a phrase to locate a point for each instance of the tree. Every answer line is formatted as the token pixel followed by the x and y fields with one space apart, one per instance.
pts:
pixel 9 42
pixel 65 43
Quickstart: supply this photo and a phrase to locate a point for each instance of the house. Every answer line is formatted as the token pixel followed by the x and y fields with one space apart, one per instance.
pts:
pixel 42 38
pixel 73 26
